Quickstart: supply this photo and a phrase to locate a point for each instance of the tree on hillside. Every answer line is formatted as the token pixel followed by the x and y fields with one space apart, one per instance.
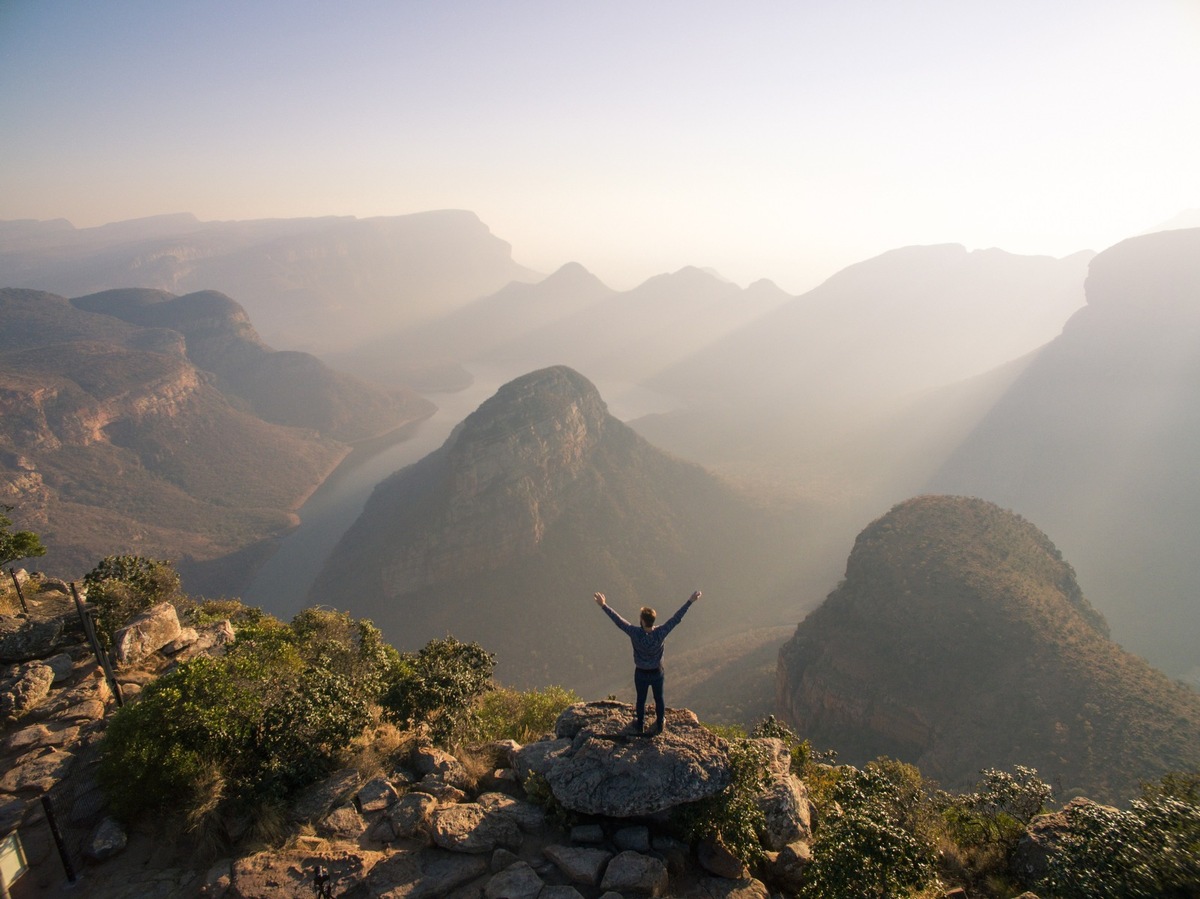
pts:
pixel 18 545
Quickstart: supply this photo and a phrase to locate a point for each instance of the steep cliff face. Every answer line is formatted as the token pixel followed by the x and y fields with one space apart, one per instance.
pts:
pixel 538 499
pixel 88 391
pixel 287 388
pixel 960 640
pixel 112 440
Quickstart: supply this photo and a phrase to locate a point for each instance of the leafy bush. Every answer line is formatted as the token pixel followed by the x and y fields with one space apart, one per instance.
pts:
pixel 733 817
pixel 121 587
pixel 537 789
pixel 19 544
pixel 998 811
pixel 1151 850
pixel 506 714
pixel 252 726
pixel 438 686
pixel 875 836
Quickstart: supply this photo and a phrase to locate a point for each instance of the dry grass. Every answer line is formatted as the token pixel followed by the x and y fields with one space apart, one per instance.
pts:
pixel 379 749
pixel 478 762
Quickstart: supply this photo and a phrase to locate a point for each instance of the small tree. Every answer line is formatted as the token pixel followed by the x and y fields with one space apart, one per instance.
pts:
pixel 872 840
pixel 438 687
pixel 998 811
pixel 17 545
pixel 121 587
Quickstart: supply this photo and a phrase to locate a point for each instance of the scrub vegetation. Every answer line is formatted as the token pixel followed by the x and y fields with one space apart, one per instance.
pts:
pixel 221 745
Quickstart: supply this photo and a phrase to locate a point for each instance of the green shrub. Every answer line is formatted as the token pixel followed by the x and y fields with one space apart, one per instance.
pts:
pixel 998 811
pixel 121 587
pixel 438 686
pixel 507 714
pixel 1151 850
pixel 733 817
pixel 250 727
pixel 162 748
pixel 875 837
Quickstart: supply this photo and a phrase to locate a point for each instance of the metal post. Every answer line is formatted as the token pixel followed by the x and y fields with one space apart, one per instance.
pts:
pixel 20 593
pixel 58 840
pixel 89 628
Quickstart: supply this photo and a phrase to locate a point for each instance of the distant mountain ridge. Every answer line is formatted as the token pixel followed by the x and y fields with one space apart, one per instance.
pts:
pixel 572 318
pixel 114 439
pixel 910 319
pixel 316 284
pixel 538 499
pixel 960 640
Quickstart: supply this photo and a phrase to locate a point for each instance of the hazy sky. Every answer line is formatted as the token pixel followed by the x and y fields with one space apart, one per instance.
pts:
pixel 780 140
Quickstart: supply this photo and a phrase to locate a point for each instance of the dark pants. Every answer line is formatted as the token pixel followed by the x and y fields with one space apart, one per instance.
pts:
pixel 644 680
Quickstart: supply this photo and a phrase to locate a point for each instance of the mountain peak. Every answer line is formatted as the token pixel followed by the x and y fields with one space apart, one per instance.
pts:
pixel 571 278
pixel 553 403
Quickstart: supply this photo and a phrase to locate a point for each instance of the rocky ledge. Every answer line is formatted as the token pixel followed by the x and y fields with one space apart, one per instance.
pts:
pixel 431 830
pixel 432 826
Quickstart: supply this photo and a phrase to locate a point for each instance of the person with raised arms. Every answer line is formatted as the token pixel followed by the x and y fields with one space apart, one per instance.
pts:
pixel 647 643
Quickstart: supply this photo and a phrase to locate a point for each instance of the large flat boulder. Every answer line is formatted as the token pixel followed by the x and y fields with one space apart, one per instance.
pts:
pixel 609 770
pixel 423 874
pixel 147 633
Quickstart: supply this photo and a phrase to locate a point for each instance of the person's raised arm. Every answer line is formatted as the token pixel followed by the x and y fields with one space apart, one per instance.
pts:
pixel 616 619
pixel 678 616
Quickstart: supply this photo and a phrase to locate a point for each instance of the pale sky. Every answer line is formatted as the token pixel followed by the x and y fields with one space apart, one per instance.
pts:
pixel 764 140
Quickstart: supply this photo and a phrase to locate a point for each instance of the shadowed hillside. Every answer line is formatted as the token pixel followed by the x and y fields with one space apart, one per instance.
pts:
pixel 1096 441
pixel 537 499
pixel 960 640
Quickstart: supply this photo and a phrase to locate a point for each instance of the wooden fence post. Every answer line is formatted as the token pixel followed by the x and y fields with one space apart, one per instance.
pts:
pixel 20 593
pixel 89 628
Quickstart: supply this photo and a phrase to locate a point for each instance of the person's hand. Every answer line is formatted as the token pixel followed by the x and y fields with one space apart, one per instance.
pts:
pixel 599 599
pixel 695 596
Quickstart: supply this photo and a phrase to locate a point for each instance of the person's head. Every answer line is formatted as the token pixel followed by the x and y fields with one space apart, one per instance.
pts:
pixel 648 616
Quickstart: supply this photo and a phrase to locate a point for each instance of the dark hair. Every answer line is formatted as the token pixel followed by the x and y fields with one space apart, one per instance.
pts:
pixel 648 616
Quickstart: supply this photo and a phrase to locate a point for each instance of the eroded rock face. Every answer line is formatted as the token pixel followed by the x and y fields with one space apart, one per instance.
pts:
pixel 784 802
pixel 22 639
pixel 607 770
pixel 26 691
pixel 471 828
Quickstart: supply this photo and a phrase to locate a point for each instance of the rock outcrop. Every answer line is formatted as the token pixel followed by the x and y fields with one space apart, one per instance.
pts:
pixel 54 709
pixel 608 770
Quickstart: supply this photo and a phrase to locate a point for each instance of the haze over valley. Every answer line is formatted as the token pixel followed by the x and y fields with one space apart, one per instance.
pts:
pixel 881 330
